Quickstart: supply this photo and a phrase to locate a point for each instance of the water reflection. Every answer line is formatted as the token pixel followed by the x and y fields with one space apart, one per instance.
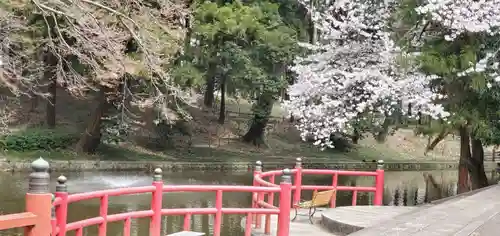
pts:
pixel 401 188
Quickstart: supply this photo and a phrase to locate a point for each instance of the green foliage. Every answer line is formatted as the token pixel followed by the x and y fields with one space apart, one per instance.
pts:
pixel 469 98
pixel 248 42
pixel 187 75
pixel 38 139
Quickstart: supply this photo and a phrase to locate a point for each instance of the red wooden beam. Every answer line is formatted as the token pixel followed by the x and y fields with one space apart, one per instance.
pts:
pixel 17 220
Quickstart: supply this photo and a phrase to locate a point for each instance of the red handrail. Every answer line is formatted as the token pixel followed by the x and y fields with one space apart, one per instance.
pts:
pixel 157 189
pixel 298 172
pixel 38 222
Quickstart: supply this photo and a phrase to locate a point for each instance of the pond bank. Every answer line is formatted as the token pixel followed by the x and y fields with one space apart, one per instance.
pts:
pixel 96 165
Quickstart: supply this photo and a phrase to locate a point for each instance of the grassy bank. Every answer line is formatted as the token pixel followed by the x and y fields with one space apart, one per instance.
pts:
pixel 207 141
pixel 228 150
pixel 196 154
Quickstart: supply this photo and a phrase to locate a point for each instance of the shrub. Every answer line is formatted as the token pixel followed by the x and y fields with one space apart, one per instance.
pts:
pixel 38 139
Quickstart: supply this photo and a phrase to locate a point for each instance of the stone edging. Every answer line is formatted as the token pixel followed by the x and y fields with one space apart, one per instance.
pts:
pixel 89 165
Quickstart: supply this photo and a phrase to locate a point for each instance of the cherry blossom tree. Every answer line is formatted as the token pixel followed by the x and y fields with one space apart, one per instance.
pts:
pixel 460 47
pixel 355 72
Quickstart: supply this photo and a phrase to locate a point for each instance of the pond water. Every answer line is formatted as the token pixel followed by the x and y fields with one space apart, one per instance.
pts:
pixel 401 188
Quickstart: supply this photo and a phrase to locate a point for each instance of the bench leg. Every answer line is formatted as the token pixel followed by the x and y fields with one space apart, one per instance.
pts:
pixel 296 213
pixel 312 210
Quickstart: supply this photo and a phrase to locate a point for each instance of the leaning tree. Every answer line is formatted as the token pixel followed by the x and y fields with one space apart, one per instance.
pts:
pixel 115 52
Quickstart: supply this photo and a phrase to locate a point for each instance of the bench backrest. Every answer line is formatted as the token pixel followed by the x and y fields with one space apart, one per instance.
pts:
pixel 322 198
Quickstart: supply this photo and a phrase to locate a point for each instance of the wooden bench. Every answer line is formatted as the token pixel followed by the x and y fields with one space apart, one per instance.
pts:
pixel 319 199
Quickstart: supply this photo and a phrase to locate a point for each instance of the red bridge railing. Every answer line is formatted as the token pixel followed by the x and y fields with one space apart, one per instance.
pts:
pixel 47 215
pixel 259 200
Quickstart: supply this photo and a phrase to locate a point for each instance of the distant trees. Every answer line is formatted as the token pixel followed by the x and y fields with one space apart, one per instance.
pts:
pixel 242 48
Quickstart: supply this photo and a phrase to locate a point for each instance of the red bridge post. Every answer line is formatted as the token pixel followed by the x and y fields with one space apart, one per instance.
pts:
pixel 297 181
pixel 256 196
pixel 39 199
pixel 379 184
pixel 62 208
pixel 156 204
pixel 285 203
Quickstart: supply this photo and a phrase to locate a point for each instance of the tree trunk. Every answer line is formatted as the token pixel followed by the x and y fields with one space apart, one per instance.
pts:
pixel 312 29
pixel 50 62
pixel 463 174
pixel 356 136
pixel 494 153
pixel 255 134
pixel 441 136
pixel 398 115
pixel 381 136
pixel 222 110
pixel 91 138
pixel 51 104
pixel 287 98
pixel 33 102
pixel 208 99
pixel 476 165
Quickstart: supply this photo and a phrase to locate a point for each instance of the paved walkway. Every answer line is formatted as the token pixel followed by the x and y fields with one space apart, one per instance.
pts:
pixel 475 215
pixel 347 220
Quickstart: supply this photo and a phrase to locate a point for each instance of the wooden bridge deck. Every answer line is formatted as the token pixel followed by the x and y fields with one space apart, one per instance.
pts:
pixel 300 227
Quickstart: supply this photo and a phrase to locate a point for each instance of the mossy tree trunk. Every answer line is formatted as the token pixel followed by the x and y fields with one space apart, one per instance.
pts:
pixel 476 165
pixel 222 110
pixel 383 132
pixel 91 138
pixel 263 109
pixel 208 98
pixel 356 136
pixel 463 173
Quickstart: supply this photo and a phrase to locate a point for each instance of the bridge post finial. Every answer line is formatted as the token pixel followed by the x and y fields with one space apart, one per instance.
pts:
pixel 158 175
pixel 258 166
pixel 287 176
pixel 38 199
pixel 298 162
pixel 380 164
pixel 39 178
pixel 61 184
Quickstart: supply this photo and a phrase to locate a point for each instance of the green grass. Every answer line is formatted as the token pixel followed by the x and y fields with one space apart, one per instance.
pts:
pixel 105 152
pixel 199 154
pixel 283 143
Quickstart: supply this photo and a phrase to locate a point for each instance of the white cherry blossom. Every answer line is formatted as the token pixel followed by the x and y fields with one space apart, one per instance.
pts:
pixel 355 72
pixel 460 16
pixel 471 17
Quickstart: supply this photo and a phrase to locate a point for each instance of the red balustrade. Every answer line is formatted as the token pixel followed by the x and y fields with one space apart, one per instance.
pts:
pixel 298 187
pixel 45 216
